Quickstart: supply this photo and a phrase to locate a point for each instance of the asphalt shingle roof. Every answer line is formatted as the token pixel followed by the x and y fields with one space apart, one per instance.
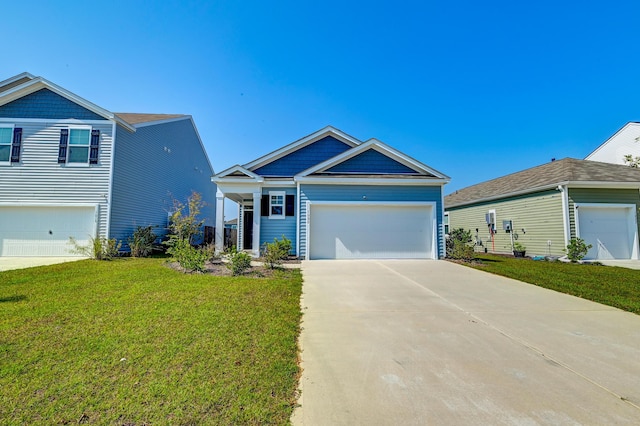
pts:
pixel 546 175
pixel 135 118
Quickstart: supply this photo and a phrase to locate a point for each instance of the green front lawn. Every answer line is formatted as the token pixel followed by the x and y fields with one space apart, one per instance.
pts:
pixel 613 286
pixel 133 342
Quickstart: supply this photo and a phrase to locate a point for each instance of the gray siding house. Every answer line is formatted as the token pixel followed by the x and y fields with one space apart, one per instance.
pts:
pixel 544 207
pixel 69 168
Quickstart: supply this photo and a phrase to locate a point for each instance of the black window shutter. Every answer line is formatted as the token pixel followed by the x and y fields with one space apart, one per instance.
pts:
pixel 95 144
pixel 62 151
pixel 264 206
pixel 290 205
pixel 15 146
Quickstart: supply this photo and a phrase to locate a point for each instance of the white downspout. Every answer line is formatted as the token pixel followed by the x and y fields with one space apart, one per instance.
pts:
pixel 565 213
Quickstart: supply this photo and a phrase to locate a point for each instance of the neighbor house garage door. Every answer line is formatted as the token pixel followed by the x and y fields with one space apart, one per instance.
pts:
pixel 362 231
pixel 610 229
pixel 44 231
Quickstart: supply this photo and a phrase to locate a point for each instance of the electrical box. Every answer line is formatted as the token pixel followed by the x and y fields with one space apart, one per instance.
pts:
pixel 490 218
pixel 491 221
pixel 507 225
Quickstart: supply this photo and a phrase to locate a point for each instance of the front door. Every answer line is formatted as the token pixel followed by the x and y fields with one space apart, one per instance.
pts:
pixel 247 231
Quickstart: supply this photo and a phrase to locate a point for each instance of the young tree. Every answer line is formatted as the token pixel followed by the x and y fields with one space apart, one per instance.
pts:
pixel 632 161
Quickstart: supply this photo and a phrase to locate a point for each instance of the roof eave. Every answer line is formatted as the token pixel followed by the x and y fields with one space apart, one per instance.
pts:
pixel 569 184
pixel 371 181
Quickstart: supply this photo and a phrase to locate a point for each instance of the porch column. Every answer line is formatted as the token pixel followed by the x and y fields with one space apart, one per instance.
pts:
pixel 257 198
pixel 219 237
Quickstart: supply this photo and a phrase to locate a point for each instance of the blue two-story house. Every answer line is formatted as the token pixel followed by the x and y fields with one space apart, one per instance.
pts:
pixel 336 197
pixel 69 168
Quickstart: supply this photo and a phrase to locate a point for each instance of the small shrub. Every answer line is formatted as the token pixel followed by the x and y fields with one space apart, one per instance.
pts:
pixel 99 248
pixel 577 249
pixel 458 245
pixel 186 225
pixel 190 258
pixel 274 253
pixel 519 247
pixel 239 262
pixel 141 242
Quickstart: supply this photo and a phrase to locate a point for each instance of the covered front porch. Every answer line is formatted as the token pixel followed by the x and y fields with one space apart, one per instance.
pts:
pixel 248 222
pixel 244 188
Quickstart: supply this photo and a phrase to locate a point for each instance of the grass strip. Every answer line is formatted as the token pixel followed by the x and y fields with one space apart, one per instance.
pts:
pixel 132 341
pixel 613 286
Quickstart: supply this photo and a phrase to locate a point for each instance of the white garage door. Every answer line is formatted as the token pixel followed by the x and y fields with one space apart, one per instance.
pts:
pixel 44 231
pixel 361 231
pixel 610 230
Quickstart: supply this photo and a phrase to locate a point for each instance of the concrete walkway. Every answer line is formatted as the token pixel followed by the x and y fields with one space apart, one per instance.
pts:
pixel 9 263
pixel 631 264
pixel 432 342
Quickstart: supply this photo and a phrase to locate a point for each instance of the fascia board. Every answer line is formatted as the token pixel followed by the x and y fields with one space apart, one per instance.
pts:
pixel 603 184
pixel 370 181
pixel 301 143
pixel 16 78
pixel 165 121
pixel 508 195
pixel 237 168
pixel 41 83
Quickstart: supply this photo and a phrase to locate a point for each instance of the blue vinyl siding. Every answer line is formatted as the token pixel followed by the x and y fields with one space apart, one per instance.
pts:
pixel 304 158
pixel 48 105
pixel 154 166
pixel 371 161
pixel 373 193
pixel 276 228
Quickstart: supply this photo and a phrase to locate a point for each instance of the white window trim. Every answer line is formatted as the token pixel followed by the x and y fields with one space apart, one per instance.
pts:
pixel 77 164
pixel 12 127
pixel 283 194
pixel 446 221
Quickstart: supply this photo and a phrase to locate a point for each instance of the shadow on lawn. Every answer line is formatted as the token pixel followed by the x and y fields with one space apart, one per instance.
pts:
pixel 19 298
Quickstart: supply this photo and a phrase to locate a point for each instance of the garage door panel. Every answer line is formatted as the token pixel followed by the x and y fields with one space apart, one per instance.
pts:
pixel 44 231
pixel 607 230
pixel 362 232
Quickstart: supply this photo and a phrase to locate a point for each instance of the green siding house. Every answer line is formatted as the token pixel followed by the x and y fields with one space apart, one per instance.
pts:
pixel 546 206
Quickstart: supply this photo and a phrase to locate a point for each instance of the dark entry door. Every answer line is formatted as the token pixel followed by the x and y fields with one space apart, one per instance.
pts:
pixel 247 232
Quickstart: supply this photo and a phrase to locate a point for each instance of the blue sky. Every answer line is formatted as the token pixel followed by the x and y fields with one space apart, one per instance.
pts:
pixel 475 90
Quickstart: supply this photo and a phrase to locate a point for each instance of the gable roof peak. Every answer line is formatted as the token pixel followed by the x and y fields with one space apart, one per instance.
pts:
pixel 301 143
pixel 16 80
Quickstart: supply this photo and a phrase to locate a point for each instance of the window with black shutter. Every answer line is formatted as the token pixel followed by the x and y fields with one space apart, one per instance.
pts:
pixel 95 145
pixel 264 206
pixel 15 145
pixel 62 150
pixel 290 209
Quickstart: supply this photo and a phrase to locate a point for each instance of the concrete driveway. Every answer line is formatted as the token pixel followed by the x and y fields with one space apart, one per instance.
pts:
pixel 9 263
pixel 432 342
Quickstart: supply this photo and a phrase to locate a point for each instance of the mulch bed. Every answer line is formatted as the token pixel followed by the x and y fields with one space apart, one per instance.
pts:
pixel 219 268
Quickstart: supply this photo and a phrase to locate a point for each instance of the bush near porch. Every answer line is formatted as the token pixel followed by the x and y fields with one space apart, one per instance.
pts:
pixel 134 342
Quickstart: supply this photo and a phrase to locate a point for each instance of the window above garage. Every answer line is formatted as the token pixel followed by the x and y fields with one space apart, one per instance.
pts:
pixel 79 145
